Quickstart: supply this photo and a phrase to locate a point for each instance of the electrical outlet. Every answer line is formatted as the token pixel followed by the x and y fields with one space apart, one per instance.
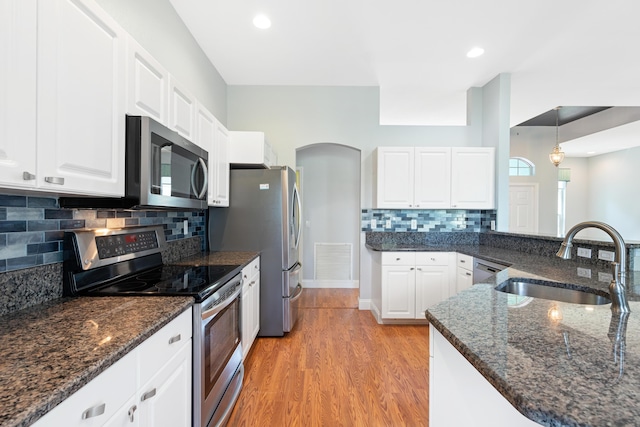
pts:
pixel 606 255
pixel 414 224
pixel 584 252
pixel 186 227
pixel 374 223
pixel 584 272
pixel 604 277
pixel 493 225
pixel 388 224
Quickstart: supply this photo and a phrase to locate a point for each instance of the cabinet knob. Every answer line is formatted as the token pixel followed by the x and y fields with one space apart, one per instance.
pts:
pixel 131 411
pixel 148 395
pixel 433 259
pixel 462 261
pixel 412 269
pixel 397 259
pixel 26 176
pixel 468 274
pixel 94 411
pixel 54 180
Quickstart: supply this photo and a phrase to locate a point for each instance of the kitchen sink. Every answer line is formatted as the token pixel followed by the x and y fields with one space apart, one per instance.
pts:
pixel 552 291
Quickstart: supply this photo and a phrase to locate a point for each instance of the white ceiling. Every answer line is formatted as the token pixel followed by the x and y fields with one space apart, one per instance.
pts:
pixel 558 52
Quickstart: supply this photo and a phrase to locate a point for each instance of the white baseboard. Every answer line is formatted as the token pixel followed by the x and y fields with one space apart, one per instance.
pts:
pixel 364 304
pixel 328 284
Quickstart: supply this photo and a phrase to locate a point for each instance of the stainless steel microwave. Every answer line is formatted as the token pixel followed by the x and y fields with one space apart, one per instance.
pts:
pixel 162 170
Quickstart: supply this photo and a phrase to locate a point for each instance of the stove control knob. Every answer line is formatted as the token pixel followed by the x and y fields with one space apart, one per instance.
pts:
pixel 87 261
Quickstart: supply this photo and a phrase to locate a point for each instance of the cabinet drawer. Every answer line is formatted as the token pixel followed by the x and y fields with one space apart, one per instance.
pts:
pixel 399 258
pixel 465 261
pixel 98 400
pixel 251 269
pixel 432 258
pixel 164 344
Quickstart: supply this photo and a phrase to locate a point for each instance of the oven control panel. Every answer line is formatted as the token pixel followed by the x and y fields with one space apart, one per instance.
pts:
pixel 122 244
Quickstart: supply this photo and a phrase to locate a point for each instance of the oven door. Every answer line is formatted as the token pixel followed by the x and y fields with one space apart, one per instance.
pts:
pixel 221 370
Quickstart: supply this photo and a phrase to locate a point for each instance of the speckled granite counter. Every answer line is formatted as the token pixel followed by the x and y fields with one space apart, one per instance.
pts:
pixel 51 350
pixel 566 371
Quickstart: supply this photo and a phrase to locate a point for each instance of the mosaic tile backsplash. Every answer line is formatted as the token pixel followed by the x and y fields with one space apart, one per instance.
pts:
pixel 32 228
pixel 432 220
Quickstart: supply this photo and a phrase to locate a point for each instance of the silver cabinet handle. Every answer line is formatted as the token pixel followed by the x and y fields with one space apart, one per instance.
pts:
pixel 131 411
pixel 28 176
pixel 174 339
pixel 462 261
pixel 468 274
pixel 94 412
pixel 148 395
pixel 54 180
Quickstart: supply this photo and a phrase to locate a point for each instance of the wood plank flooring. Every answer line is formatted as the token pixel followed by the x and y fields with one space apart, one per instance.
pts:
pixel 338 367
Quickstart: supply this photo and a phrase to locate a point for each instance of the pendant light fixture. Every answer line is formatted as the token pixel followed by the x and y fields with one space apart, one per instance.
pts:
pixel 556 156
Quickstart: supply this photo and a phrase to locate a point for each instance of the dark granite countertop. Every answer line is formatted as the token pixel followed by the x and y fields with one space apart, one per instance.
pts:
pixel 564 369
pixel 51 350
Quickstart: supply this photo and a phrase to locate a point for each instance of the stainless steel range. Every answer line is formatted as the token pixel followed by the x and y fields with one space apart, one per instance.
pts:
pixel 129 262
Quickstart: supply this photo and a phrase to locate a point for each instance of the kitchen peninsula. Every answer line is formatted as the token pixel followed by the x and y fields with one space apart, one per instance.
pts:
pixel 527 361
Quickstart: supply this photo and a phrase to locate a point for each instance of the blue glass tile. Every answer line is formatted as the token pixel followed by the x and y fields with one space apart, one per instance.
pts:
pixel 3 240
pixel 129 222
pixel 42 202
pixel 50 236
pixel 44 225
pixel 58 214
pixel 71 224
pixel 24 238
pixel 13 226
pixel 51 257
pixel 123 214
pixel 105 214
pixel 39 248
pixel 24 214
pixel 13 201
pixel 22 262
pixel 3 214
pixel 3 265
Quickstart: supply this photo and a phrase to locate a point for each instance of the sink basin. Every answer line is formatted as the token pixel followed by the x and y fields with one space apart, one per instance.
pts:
pixel 551 291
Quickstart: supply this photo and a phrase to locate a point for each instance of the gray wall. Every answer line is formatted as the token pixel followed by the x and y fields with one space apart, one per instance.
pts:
pixel 158 28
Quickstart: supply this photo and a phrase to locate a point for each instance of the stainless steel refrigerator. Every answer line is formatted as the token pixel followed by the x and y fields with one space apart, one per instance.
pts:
pixel 264 215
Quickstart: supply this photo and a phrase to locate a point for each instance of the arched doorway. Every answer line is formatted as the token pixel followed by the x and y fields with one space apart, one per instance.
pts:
pixel 330 192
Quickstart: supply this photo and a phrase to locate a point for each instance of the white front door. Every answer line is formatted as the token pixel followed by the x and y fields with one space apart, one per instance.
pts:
pixel 523 208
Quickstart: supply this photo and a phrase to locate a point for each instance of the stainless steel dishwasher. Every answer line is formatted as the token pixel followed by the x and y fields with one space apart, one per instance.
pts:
pixel 483 269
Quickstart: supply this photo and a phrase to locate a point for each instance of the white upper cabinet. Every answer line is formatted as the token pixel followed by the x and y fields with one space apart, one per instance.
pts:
pixel 395 177
pixel 251 149
pixel 148 84
pixel 473 178
pixel 18 88
pixel 182 110
pixel 80 99
pixel 220 167
pixel 214 137
pixel 434 178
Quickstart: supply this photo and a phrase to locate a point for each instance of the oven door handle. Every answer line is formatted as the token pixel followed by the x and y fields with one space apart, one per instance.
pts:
pixel 224 304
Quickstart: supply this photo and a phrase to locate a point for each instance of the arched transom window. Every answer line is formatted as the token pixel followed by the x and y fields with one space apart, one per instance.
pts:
pixel 519 166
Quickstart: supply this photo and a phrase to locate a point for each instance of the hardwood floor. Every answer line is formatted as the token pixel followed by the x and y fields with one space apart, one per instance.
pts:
pixel 338 367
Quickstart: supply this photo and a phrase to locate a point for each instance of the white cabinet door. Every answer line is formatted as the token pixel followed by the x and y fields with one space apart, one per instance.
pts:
pixel 432 178
pixel 182 110
pixel 398 292
pixel 147 84
pixel 80 99
pixel 220 166
pixel 18 88
pixel 395 177
pixel 473 178
pixel 464 279
pixel 250 305
pixel 165 401
pixel 432 287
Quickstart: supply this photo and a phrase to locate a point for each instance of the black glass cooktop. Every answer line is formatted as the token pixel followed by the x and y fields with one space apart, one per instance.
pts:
pixel 197 281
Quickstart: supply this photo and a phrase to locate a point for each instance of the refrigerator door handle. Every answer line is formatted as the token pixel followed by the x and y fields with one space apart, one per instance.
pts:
pixel 297 294
pixel 298 229
pixel 296 267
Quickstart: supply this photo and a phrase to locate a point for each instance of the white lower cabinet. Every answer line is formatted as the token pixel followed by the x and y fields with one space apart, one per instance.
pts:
pixel 464 272
pixel 250 305
pixel 414 281
pixel 452 379
pixel 149 386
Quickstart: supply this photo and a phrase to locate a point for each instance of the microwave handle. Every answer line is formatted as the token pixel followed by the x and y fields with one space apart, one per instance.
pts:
pixel 201 194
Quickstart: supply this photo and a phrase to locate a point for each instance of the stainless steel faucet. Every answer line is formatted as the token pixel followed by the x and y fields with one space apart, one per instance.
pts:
pixel 617 287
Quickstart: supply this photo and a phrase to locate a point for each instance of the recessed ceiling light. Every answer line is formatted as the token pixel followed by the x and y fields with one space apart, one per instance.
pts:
pixel 475 52
pixel 262 22
pixel 591 152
